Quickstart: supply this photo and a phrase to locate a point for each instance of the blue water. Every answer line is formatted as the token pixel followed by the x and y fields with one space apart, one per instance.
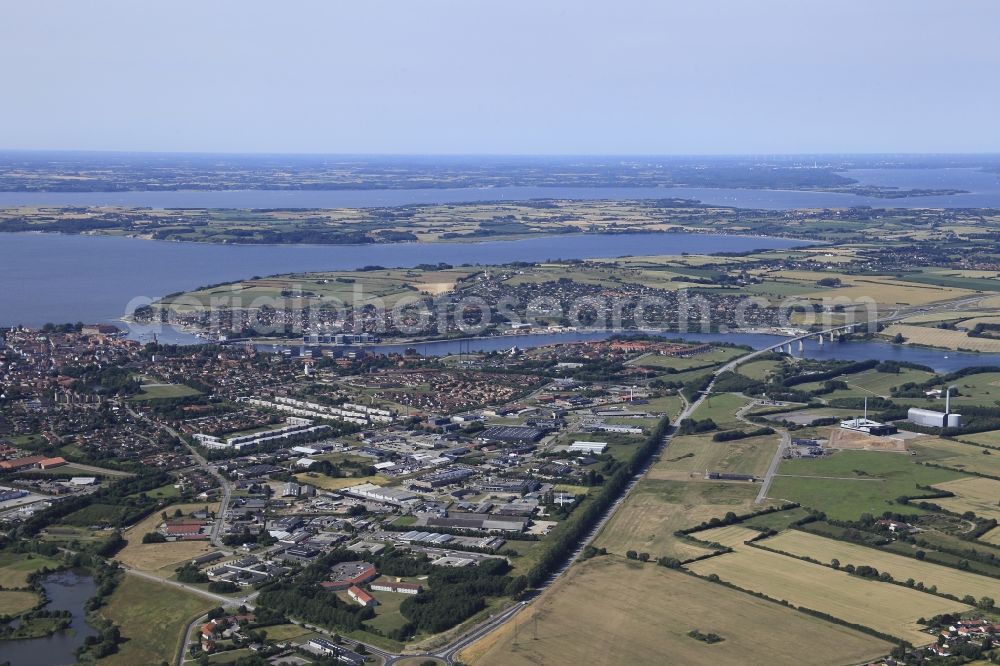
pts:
pixel 66 590
pixel 62 278
pixel 983 188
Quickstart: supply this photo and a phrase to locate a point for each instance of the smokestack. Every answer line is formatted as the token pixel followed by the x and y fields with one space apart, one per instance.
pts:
pixel 947 401
pixel 866 408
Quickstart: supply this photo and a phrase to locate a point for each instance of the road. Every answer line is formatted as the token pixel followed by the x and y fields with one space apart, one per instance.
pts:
pixel 449 651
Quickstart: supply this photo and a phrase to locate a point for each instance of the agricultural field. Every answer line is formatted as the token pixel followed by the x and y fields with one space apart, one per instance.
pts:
pixel 655 509
pixel 948 580
pixel 939 337
pixel 152 617
pixel 988 438
pixel 161 558
pixel 956 455
pixel 626 599
pixel 979 495
pixel 885 607
pixel 850 483
pixel 730 535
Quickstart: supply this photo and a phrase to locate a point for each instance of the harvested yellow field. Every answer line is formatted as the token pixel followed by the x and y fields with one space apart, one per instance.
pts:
pixel 945 315
pixel 979 495
pixel 610 611
pixel 971 323
pixel 885 607
pixel 939 337
pixel 161 558
pixel 950 581
pixel 655 509
pixel 730 535
pixel 993 536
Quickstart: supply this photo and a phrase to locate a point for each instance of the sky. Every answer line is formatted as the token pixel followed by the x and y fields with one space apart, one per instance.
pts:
pixel 502 77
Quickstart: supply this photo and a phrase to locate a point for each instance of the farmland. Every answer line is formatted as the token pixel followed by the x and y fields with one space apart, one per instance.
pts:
pixel 885 607
pixel 689 456
pixel 978 495
pixel 937 337
pixel 948 580
pixel 14 602
pixel 955 455
pixel 557 630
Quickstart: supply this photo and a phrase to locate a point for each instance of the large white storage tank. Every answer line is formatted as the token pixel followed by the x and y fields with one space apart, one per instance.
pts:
pixel 954 420
pixel 927 417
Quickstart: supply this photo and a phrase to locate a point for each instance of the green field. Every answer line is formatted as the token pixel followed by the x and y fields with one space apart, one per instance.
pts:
pixel 857 482
pixel 16 567
pixel 152 618
pixel 722 408
pixel 161 391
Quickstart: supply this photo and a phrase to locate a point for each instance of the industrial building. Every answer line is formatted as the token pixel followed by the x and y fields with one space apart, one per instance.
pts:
pixel 589 447
pixel 864 424
pixel 934 419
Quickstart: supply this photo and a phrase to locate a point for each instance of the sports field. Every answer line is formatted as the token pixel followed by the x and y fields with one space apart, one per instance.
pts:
pixel 885 607
pixel 950 581
pixel 655 509
pixel 610 611
pixel 979 495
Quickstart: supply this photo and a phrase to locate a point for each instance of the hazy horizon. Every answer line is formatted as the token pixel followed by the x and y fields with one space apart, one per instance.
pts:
pixel 448 77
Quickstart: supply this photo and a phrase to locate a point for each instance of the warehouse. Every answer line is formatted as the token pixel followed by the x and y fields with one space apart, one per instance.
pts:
pixel 933 419
pixel 596 448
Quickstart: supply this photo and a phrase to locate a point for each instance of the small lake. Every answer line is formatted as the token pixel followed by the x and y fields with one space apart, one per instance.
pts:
pixel 859 350
pixel 62 278
pixel 67 590
pixel 983 191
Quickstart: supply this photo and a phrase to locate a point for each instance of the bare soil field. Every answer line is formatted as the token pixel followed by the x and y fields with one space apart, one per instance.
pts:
pixel 861 441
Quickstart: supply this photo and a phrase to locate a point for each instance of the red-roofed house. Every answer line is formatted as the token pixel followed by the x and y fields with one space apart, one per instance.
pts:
pixel 360 596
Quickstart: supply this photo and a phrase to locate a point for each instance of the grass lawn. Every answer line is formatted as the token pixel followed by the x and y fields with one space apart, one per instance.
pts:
pixel 162 558
pixel 159 391
pixel 856 482
pixel 687 457
pixel 15 568
pixel 15 602
pixel 611 611
pixel 152 618
pixel 759 370
pixel 722 408
pixel 337 483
